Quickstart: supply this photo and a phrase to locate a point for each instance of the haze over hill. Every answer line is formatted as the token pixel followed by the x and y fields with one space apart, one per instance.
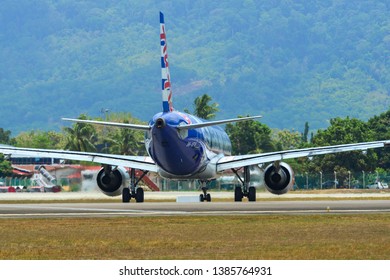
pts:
pixel 291 61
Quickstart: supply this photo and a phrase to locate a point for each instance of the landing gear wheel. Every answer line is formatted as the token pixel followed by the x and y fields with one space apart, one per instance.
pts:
pixel 244 190
pixel 238 195
pixel 126 195
pixel 139 195
pixel 252 194
pixel 204 196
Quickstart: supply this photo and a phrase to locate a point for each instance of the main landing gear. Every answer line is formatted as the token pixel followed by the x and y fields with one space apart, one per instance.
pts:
pixel 245 190
pixel 132 191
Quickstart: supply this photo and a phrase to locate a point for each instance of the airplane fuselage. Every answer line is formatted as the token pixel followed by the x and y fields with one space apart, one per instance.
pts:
pixel 185 153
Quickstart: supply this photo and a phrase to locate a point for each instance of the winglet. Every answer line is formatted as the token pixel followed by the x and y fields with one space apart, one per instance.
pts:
pixel 165 77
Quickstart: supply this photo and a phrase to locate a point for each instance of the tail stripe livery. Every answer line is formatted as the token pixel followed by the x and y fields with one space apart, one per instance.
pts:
pixel 166 80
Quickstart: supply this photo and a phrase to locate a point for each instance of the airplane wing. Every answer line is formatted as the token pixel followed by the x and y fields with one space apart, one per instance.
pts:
pixel 229 162
pixel 138 162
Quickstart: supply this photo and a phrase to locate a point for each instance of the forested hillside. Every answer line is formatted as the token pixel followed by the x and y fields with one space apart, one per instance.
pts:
pixel 292 61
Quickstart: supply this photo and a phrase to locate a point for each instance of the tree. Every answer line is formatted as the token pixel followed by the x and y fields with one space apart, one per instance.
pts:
pixel 125 141
pixel 380 127
pixel 250 137
pixel 287 140
pixel 344 131
pixel 5 167
pixel 5 136
pixel 120 140
pixel 39 139
pixel 305 133
pixel 80 137
pixel 203 109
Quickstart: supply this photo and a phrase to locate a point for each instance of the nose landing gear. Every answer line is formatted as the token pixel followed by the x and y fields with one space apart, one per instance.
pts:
pixel 205 196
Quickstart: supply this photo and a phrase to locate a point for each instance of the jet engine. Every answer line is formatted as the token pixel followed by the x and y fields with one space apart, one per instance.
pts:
pixel 112 181
pixel 279 178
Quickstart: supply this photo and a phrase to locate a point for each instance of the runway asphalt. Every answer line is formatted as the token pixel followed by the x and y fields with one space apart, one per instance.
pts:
pixel 153 196
pixel 115 208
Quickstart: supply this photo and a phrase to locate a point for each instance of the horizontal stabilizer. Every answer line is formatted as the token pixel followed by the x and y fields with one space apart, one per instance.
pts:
pixel 211 123
pixel 123 125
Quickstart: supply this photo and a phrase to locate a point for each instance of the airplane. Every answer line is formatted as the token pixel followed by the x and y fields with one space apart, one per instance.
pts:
pixel 182 146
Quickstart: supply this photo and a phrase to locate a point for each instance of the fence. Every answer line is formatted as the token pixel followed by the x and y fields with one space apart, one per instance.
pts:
pixel 28 182
pixel 330 180
pixel 16 181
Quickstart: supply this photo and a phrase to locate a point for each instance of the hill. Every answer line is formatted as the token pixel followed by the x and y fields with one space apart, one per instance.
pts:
pixel 292 61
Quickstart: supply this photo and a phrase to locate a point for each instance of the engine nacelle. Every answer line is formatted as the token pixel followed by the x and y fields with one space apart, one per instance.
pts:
pixel 112 181
pixel 279 178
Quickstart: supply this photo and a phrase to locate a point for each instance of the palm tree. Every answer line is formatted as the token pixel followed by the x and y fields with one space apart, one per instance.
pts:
pixel 125 141
pixel 80 137
pixel 203 109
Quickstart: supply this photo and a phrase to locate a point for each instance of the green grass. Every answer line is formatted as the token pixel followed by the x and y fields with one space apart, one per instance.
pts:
pixel 217 237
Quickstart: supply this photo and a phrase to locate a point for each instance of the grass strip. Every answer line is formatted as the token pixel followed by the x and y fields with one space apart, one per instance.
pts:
pixel 281 237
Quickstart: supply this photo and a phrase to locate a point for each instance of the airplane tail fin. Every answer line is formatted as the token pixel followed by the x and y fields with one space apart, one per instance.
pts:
pixel 166 80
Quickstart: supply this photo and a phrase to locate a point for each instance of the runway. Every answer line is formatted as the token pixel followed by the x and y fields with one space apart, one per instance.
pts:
pixel 56 210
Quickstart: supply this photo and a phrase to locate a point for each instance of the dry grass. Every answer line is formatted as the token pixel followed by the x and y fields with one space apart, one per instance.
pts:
pixel 237 237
